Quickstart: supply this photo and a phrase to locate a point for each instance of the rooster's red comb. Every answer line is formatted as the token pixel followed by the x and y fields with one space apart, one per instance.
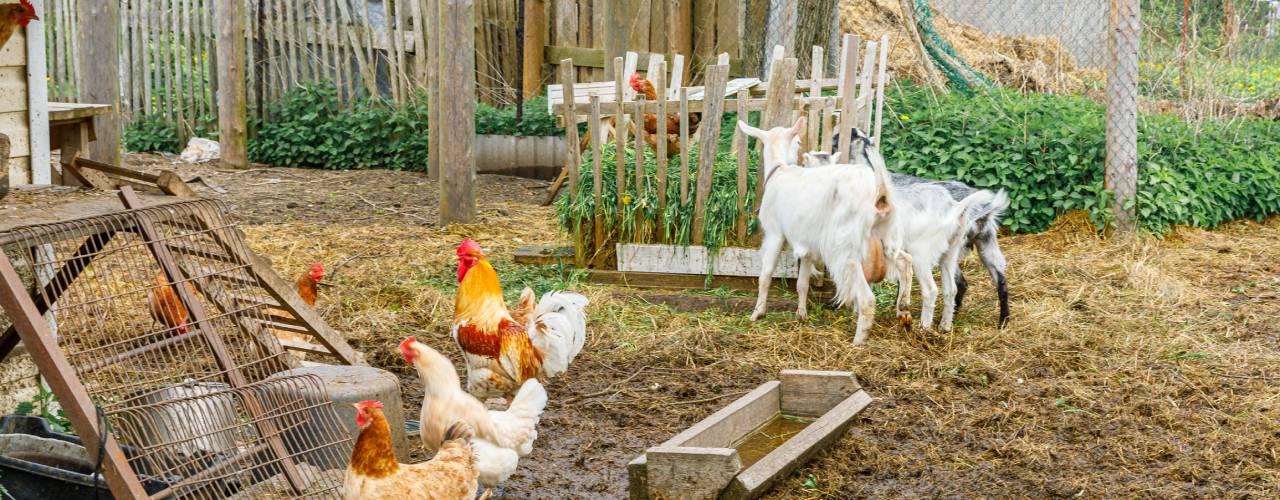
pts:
pixel 369 404
pixel 31 9
pixel 470 247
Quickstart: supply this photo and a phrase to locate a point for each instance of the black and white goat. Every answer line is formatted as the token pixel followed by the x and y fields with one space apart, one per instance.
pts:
pixel 979 234
pixel 826 214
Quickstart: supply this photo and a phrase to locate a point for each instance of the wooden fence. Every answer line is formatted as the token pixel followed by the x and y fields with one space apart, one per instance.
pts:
pixel 781 98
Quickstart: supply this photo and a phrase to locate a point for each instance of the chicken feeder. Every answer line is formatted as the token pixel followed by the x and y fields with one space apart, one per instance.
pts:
pixel 743 449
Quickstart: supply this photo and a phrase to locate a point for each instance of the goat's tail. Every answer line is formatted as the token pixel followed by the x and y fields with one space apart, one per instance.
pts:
pixel 970 209
pixel 987 214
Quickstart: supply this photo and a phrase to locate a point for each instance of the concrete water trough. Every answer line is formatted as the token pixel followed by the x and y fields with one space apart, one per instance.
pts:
pixel 741 450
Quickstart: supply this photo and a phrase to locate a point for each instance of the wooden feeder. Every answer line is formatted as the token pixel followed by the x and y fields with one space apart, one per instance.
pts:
pixel 741 450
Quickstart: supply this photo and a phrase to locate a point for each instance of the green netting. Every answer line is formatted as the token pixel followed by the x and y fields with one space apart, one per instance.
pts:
pixel 959 74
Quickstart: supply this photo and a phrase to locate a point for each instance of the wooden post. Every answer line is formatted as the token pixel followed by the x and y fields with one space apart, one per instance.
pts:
pixel 1122 109
pixel 848 91
pixel 684 145
pixel 597 184
pixel 231 99
pixel 660 84
pixel 431 44
pixel 713 105
pixel 864 90
pixel 98 34
pixel 680 33
pixel 815 90
pixel 620 129
pixel 880 82
pixel 615 38
pixel 704 30
pixel 37 105
pixel 567 77
pixel 457 96
pixel 777 107
pixel 535 30
pixel 741 147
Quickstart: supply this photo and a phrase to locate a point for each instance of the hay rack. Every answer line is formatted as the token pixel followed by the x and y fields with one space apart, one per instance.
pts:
pixel 200 414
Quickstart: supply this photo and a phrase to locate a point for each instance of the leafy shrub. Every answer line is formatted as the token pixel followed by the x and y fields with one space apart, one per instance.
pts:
pixel 502 121
pixel 1049 152
pixel 151 134
pixel 310 127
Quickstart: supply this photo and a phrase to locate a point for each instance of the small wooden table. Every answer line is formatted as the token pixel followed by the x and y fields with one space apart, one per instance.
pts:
pixel 71 127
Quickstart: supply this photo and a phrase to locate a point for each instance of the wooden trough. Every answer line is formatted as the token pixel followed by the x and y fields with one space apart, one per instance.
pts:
pixel 741 450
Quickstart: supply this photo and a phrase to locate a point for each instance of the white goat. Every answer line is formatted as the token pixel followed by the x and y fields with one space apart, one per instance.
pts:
pixel 826 214
pixel 934 229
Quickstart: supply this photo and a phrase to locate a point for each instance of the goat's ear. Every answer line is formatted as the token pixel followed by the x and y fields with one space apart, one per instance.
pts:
pixel 749 130
pixel 798 128
pixel 835 157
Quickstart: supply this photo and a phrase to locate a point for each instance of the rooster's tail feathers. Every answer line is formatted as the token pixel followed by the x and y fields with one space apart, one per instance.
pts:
pixel 459 430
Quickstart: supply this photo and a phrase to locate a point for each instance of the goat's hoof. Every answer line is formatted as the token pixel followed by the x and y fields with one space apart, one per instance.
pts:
pixel 802 315
pixel 905 322
pixel 755 316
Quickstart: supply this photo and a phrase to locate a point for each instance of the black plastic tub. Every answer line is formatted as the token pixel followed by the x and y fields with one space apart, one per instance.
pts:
pixel 55 478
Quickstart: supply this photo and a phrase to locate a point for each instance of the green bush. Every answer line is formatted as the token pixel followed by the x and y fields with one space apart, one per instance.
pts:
pixel 310 127
pixel 502 121
pixel 151 134
pixel 1048 151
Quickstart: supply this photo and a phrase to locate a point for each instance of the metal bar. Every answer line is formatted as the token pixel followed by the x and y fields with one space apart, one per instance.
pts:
pixel 174 274
pixel 59 284
pixel 53 365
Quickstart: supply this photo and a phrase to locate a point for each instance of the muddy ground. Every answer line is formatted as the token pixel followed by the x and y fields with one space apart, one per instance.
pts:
pixel 1131 368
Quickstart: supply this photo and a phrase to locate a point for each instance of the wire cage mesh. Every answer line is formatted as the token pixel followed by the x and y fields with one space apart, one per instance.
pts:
pixel 169 329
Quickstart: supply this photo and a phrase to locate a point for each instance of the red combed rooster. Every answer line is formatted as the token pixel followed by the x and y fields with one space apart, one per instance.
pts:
pixel 645 88
pixel 374 472
pixel 500 352
pixel 502 437
pixel 15 15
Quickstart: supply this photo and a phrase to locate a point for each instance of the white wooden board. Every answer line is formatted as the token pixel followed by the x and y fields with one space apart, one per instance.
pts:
pixel 672 259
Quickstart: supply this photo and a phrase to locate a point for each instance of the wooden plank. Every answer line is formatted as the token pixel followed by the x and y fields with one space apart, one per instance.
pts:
pixel 615 36
pixel 542 255
pixel 620 130
pixel 567 78
pixel 727 30
pixel 716 77
pixel 395 31
pixel 535 26
pixel 782 461
pixel 432 37
pixel 733 422
pixel 638 21
pixel 659 78
pixel 679 37
pixel 99 59
pixel 884 55
pixel 780 96
pixel 863 120
pixel 59 373
pixel 597 184
pixel 695 259
pixel 741 148
pixel 704 31
pixel 687 472
pixel 232 128
pixel 658 22
pixel 457 57
pixel 112 169
pixel 677 76
pixel 37 105
pixel 807 393
pixel 61 111
pixel 640 160
pixel 684 145
pixel 811 140
pixel 566 24
pixel 847 92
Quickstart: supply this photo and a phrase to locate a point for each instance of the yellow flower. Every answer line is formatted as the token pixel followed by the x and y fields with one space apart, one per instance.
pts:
pixel 1159 66
pixel 1252 88
pixel 905 118
pixel 626 199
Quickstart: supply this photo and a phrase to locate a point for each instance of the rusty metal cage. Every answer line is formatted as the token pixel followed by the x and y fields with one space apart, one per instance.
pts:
pixel 159 323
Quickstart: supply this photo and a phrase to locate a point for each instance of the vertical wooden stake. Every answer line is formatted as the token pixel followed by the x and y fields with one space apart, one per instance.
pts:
pixel 741 147
pixel 848 91
pixel 98 35
pixel 713 107
pixel 597 184
pixel 815 90
pixel 660 84
pixel 880 81
pixel 457 102
pixel 431 44
pixel 535 30
pixel 232 129
pixel 615 38
pixel 567 77
pixel 620 129
pixel 684 145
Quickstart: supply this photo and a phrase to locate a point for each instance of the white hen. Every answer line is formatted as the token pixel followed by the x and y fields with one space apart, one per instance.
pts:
pixel 558 329
pixel 501 437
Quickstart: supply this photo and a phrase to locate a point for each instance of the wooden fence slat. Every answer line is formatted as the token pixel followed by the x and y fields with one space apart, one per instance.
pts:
pixel 353 40
pixel 567 77
pixel 660 151
pixel 848 92
pixel 778 106
pixel 684 145
pixel 828 128
pixel 126 61
pixel 658 20
pixel 815 90
pixel 168 18
pixel 620 129
pixel 177 8
pixel 716 79
pixel 597 184
pixel 677 76
pixel 641 133
pixel 863 119
pixel 73 48
pixel 884 55
pixel 396 70
pixel 419 51
pixel 741 148
pixel 333 58
pixel 144 17
pixel 638 26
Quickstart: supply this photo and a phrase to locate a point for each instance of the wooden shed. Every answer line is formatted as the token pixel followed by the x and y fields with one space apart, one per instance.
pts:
pixel 23 105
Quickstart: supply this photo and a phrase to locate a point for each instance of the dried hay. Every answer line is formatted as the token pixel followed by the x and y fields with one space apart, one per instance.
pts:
pixel 1131 367
pixel 1031 63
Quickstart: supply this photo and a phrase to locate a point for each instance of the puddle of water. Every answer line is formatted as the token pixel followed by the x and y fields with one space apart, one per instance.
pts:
pixel 769 437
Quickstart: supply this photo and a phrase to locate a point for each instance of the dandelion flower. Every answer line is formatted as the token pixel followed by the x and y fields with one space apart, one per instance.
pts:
pixel 626 199
pixel 905 118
